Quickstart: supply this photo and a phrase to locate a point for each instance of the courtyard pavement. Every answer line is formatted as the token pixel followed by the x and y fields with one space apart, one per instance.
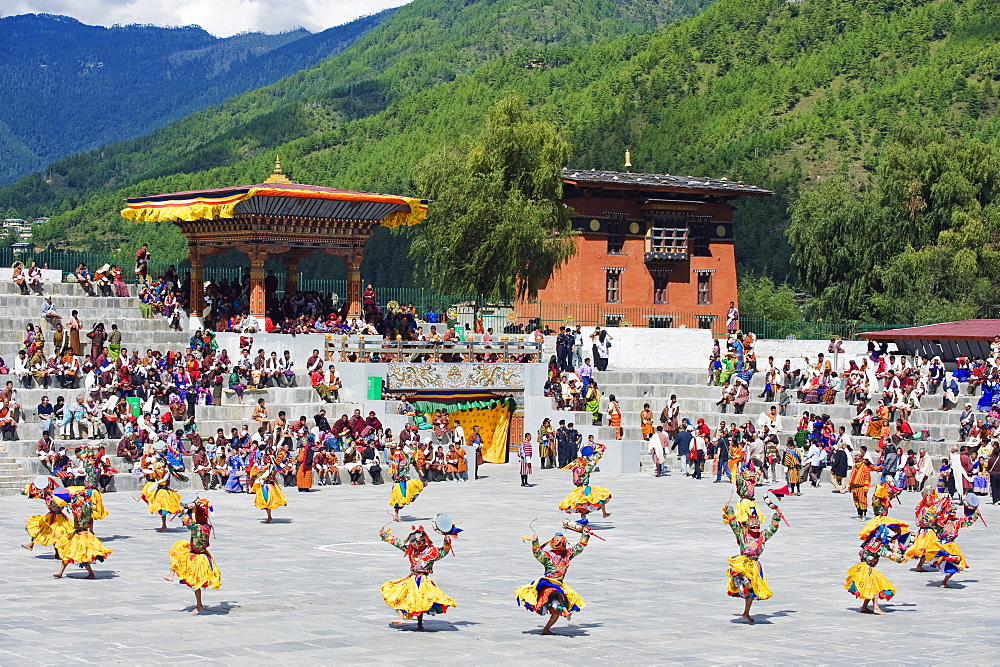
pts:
pixel 306 588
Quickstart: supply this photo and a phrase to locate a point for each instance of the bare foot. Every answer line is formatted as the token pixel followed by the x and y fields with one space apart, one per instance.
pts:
pixel 161 530
pixel 168 578
pixel 944 585
pixel 29 547
pixel 920 569
pixel 268 521
pixel 90 576
pixel 607 514
pixel 549 632
pixel 195 611
pixel 866 610
pixel 57 576
pixel 749 619
pixel 878 611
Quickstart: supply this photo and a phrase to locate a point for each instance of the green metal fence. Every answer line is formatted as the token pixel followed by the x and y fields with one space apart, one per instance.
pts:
pixel 765 328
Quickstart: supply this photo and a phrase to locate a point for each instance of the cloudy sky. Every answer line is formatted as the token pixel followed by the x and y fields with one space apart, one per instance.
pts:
pixel 219 17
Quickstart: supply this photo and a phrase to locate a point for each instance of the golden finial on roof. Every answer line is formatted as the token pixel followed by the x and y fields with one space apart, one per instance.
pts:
pixel 277 176
pixel 628 158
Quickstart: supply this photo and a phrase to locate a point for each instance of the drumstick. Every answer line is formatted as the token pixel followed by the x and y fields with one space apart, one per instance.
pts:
pixel 587 531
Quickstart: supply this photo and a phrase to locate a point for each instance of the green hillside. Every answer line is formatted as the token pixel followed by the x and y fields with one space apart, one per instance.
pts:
pixel 766 91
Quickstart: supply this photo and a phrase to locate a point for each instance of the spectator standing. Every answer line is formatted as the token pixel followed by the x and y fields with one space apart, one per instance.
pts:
pixel 524 456
pixel 682 443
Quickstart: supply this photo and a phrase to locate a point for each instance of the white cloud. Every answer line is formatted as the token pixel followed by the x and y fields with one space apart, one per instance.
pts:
pixel 219 17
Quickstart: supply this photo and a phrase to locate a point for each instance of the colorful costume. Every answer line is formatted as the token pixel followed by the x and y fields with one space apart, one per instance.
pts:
pixel 746 576
pixel 191 560
pixel 81 546
pixel 157 493
pixel 47 529
pixel 91 477
pixel 268 494
pixel 860 482
pixel 585 498
pixel 539 596
pixel 882 499
pixel 882 536
pixel 404 489
pixel 417 594
pixel 925 543
pixel 947 556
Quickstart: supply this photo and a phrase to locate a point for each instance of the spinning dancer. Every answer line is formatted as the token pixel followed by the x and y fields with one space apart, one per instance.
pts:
pixel 268 494
pixel 925 544
pixel 190 560
pixel 157 492
pixel 549 594
pixel 746 576
pixel 882 499
pixel 404 489
pixel 416 594
pixel 91 477
pixel 948 557
pixel 882 536
pixel 47 529
pixel 81 546
pixel 586 498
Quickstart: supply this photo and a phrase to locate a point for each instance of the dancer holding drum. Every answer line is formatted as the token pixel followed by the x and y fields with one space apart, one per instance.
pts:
pixel 190 559
pixel 404 489
pixel 47 529
pixel 416 594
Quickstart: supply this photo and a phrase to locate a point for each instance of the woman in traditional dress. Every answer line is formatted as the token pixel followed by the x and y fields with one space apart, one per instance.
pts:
pixel 549 594
pixel 593 396
pixel 157 493
pixel 416 594
pixel 81 546
pixel 879 538
pixel 879 421
pixel 615 416
pixel 268 494
pixel 190 560
pixel 746 576
pixel 585 498
pixel 404 489
pixel 646 422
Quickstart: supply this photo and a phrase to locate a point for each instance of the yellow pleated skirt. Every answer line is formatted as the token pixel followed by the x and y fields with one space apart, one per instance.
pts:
pixel 746 579
pixel 269 497
pixel 924 545
pixel 586 498
pixel 194 570
pixel 415 595
pixel 527 596
pixel 164 500
pixel 947 557
pixel 46 529
pixel 82 548
pixel 404 493
pixel 867 583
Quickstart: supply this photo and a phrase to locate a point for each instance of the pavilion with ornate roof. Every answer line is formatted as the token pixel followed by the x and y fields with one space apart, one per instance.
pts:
pixel 276 218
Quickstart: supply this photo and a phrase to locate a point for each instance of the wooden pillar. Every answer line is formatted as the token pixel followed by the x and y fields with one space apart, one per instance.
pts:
pixel 258 255
pixel 196 288
pixel 354 286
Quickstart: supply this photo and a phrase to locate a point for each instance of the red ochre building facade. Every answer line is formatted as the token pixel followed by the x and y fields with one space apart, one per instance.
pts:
pixel 654 250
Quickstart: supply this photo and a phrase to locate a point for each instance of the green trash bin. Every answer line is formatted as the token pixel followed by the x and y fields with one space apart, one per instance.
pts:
pixel 135 404
pixel 460 332
pixel 375 388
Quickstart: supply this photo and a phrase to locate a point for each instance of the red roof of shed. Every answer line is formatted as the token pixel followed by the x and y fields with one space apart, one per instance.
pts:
pixel 961 330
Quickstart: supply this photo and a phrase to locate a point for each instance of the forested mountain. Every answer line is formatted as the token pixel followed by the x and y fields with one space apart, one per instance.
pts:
pixel 775 93
pixel 66 87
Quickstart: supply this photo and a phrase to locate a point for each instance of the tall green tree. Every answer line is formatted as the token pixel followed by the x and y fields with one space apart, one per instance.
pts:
pixel 920 244
pixel 497 227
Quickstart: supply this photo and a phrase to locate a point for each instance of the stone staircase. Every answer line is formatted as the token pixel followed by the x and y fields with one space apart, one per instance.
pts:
pixel 698 401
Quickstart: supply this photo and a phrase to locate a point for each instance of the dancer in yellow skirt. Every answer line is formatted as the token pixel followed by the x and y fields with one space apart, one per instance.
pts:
pixel 81 546
pixel 586 498
pixel 157 493
pixel 91 477
pixel 948 557
pixel 268 494
pixel 404 489
pixel 416 594
pixel 550 594
pixel 47 529
pixel 191 560
pixel 881 537
pixel 925 541
pixel 746 576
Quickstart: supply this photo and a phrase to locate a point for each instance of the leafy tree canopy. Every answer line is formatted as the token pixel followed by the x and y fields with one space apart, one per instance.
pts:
pixel 497 227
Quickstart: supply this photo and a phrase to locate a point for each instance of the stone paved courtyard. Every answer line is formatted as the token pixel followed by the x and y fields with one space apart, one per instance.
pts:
pixel 306 589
